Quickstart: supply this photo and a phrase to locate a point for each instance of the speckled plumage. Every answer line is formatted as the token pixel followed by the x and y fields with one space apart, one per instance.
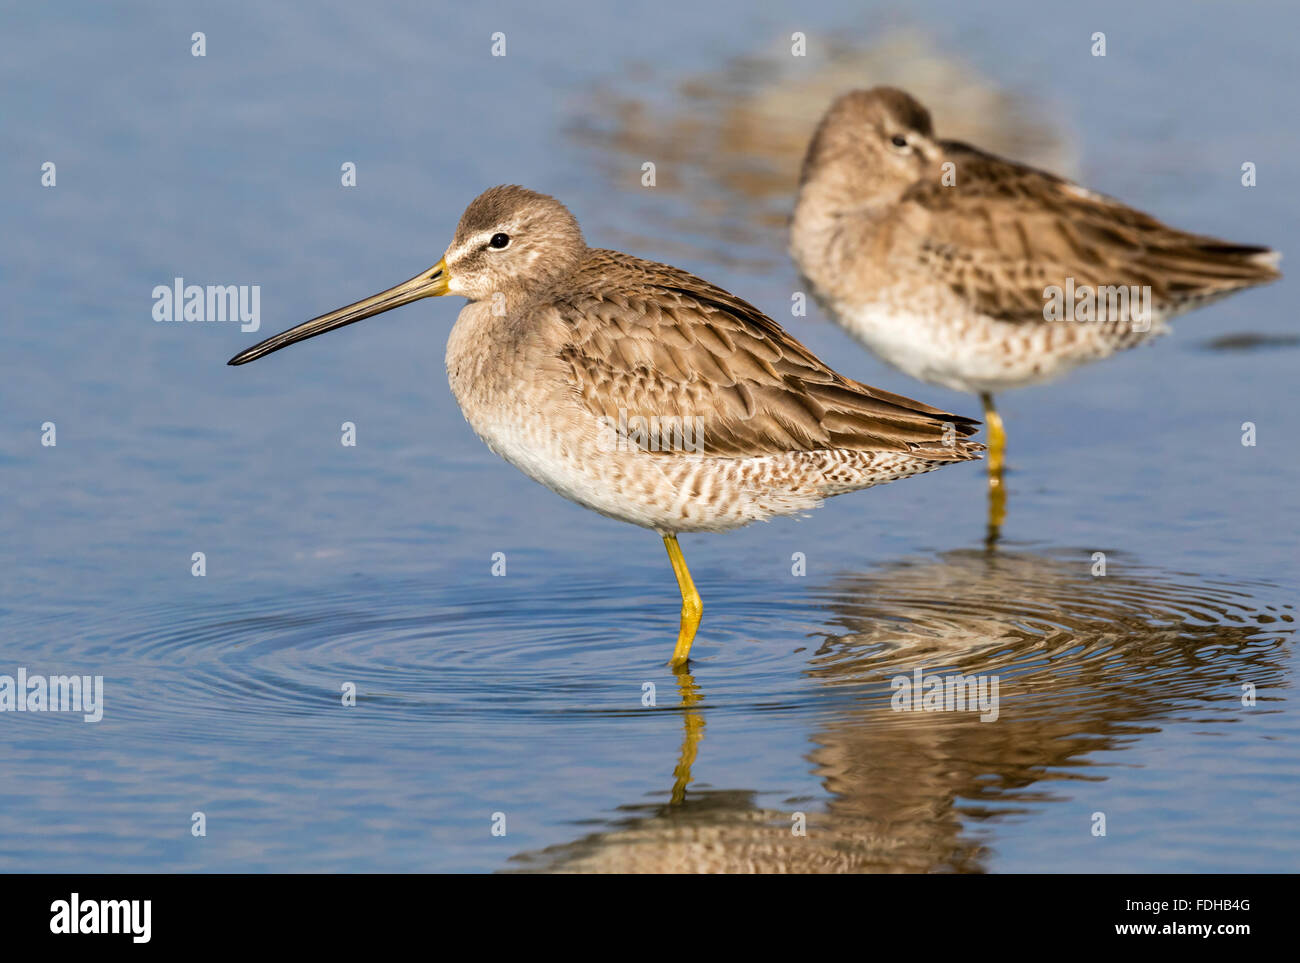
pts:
pixel 644 393
pixel 779 431
pixel 937 255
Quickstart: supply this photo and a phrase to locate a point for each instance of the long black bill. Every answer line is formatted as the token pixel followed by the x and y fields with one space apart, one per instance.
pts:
pixel 428 284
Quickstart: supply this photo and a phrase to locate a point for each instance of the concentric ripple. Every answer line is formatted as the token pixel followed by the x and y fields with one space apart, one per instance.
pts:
pixel 471 692
pixel 1086 664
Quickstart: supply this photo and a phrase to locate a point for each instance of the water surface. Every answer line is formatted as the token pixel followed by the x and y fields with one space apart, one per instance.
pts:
pixel 525 694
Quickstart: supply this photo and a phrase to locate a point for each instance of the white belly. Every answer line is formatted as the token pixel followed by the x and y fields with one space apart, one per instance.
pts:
pixel 978 354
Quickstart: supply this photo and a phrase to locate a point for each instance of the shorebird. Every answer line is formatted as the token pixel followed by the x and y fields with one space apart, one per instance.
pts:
pixel 644 393
pixel 977 273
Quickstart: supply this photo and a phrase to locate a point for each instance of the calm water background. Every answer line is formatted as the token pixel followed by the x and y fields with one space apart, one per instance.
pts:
pixel 522 694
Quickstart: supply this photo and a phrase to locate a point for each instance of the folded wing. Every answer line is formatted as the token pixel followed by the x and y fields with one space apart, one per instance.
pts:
pixel 650 341
pixel 1005 232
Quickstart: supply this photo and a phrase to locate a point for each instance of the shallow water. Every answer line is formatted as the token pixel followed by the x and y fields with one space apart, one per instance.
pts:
pixel 524 694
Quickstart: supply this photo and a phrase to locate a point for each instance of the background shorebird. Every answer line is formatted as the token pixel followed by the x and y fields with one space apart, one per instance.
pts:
pixel 565 354
pixel 941 258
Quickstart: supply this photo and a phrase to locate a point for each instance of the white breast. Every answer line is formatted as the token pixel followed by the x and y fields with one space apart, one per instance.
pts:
pixel 976 354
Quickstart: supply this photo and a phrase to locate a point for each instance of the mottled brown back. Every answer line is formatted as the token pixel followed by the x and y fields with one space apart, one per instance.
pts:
pixel 1004 232
pixel 651 340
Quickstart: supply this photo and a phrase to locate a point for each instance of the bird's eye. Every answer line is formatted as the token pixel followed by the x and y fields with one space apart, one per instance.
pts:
pixel 898 140
pixel 499 241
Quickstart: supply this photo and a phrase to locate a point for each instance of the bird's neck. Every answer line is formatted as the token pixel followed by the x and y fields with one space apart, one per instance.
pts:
pixel 833 220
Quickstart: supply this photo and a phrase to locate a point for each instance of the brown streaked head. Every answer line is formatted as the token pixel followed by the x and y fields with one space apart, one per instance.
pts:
pixel 871 144
pixel 513 241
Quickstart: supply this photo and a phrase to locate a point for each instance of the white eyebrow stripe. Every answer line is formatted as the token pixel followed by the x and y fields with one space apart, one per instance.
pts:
pixel 466 247
pixel 477 241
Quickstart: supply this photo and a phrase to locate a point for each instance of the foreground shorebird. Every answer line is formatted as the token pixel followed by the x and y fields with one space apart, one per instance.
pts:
pixel 948 262
pixel 644 393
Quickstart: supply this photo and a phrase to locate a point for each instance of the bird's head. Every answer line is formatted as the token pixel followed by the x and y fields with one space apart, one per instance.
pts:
pixel 871 145
pixel 509 243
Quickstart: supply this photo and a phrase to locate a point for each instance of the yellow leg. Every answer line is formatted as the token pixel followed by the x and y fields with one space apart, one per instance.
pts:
pixel 997 440
pixel 692 732
pixel 997 463
pixel 692 607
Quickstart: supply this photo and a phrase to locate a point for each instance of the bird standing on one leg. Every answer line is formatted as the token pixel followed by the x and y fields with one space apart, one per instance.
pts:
pixel 947 262
pixel 643 392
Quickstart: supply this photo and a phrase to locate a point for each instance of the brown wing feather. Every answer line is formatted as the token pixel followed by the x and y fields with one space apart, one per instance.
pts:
pixel 1005 232
pixel 649 340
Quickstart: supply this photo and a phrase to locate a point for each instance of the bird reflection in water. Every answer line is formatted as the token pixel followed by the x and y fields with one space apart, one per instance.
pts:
pixel 1086 665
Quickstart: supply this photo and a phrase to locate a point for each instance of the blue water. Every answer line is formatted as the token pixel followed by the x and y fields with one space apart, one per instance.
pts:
pixel 523 695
